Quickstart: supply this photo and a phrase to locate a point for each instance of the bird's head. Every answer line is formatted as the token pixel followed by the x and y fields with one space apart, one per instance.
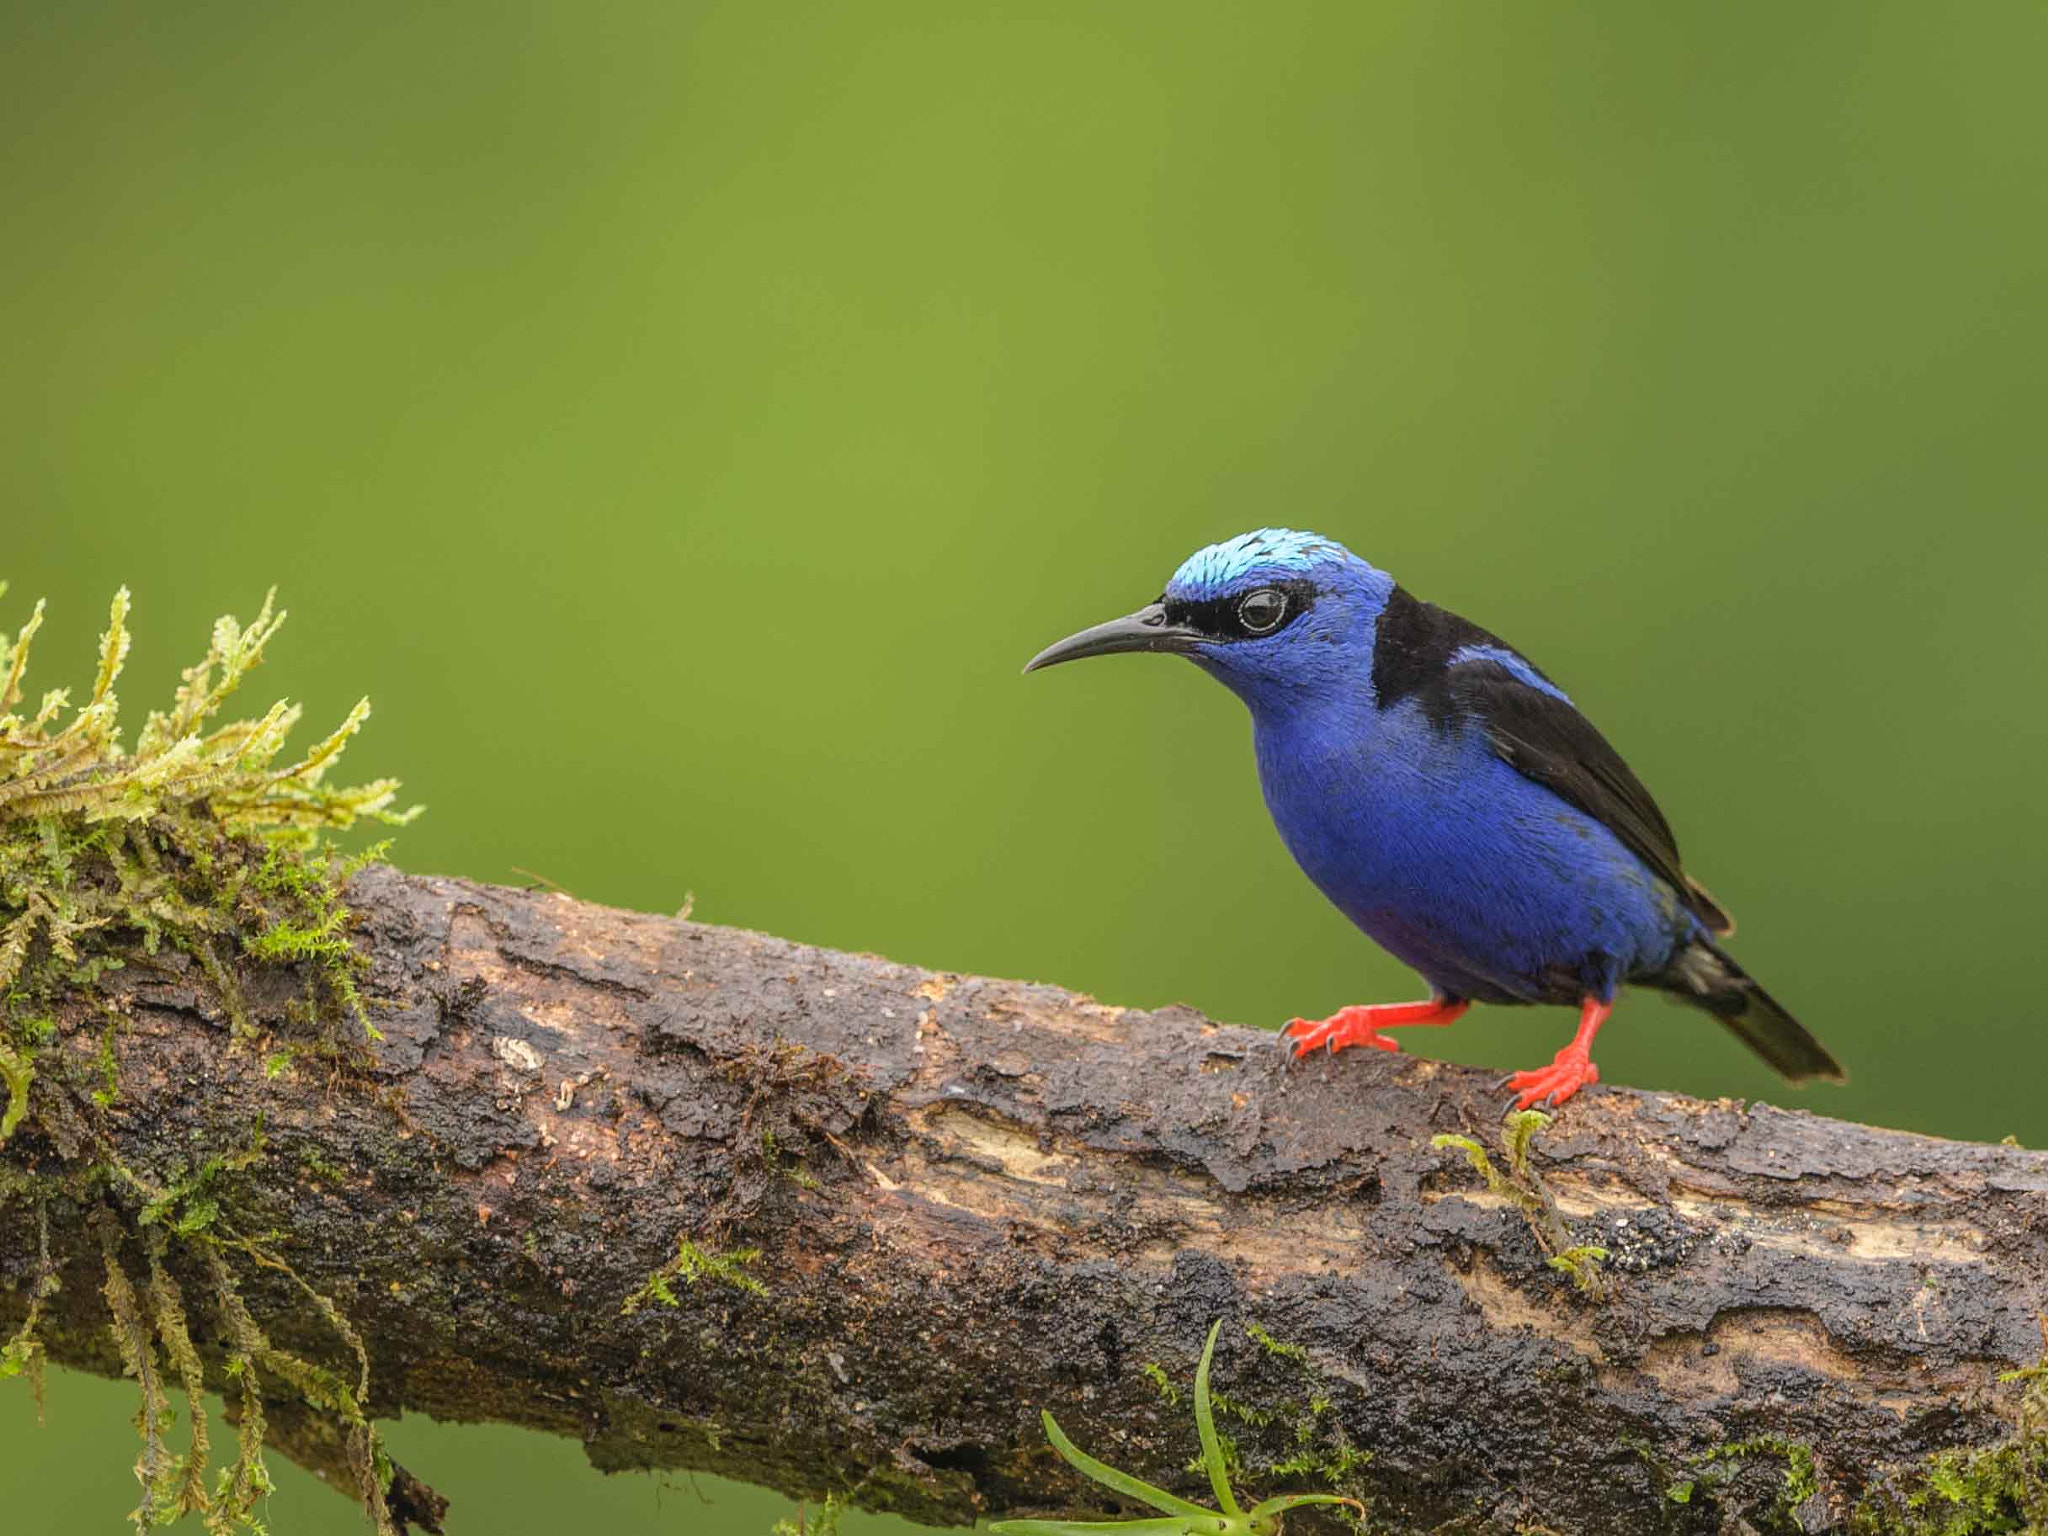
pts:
pixel 1278 617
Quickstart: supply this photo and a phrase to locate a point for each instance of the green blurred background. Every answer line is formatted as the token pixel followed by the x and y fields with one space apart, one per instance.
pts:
pixel 684 420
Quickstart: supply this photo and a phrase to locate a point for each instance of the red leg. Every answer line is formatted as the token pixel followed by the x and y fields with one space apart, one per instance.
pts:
pixel 1361 1025
pixel 1571 1069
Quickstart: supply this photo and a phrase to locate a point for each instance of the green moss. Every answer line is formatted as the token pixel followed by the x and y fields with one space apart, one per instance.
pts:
pixel 317 1165
pixel 824 1523
pixel 692 1264
pixel 156 1469
pixel 1802 1481
pixel 1273 1346
pixel 1709 1478
pixel 1162 1383
pixel 1257 1418
pixel 107 1092
pixel 786 1163
pixel 1523 1185
pixel 1311 1441
pixel 17 1072
pixel 191 1202
pixel 1582 1262
pixel 1182 1517
pixel 1517 1133
pixel 192 841
pixel 22 1355
pixel 1989 1490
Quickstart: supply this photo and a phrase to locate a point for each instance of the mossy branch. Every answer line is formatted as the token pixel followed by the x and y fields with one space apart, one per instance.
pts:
pixel 193 842
pixel 1013 1199
pixel 899 1212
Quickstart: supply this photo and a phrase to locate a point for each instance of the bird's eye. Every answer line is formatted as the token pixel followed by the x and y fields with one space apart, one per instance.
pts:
pixel 1260 612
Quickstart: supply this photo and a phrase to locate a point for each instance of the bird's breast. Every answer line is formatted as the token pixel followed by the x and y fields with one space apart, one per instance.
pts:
pixel 1451 859
pixel 1358 804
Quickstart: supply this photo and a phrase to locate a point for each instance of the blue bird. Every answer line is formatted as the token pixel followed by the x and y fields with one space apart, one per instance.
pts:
pixel 1449 799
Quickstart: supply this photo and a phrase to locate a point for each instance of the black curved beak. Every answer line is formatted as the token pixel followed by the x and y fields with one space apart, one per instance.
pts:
pixel 1146 630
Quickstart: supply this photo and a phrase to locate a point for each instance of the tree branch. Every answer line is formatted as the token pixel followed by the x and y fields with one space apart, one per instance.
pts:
pixel 709 1199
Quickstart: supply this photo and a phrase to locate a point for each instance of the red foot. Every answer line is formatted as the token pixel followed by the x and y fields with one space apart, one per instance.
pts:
pixel 1570 1070
pixel 1361 1024
pixel 1566 1075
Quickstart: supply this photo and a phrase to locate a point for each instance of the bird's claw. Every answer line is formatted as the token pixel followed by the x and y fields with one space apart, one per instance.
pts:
pixel 1342 1029
pixel 1550 1086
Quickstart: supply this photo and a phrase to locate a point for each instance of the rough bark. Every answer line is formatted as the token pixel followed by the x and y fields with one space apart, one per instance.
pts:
pixel 973 1199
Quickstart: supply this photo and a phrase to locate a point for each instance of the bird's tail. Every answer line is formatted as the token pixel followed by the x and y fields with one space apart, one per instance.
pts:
pixel 1705 976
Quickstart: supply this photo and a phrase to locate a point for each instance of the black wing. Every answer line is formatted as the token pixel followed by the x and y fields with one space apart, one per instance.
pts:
pixel 1442 659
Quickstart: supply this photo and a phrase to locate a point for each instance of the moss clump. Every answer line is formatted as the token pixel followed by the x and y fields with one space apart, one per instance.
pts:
pixel 692 1264
pixel 1990 1490
pixel 194 842
pixel 1582 1262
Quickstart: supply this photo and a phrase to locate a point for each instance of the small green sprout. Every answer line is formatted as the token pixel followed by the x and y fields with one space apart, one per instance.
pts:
pixel 827 1523
pixel 1582 1262
pixel 692 1264
pixel 1522 1184
pixel 1180 1517
pixel 1517 1132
